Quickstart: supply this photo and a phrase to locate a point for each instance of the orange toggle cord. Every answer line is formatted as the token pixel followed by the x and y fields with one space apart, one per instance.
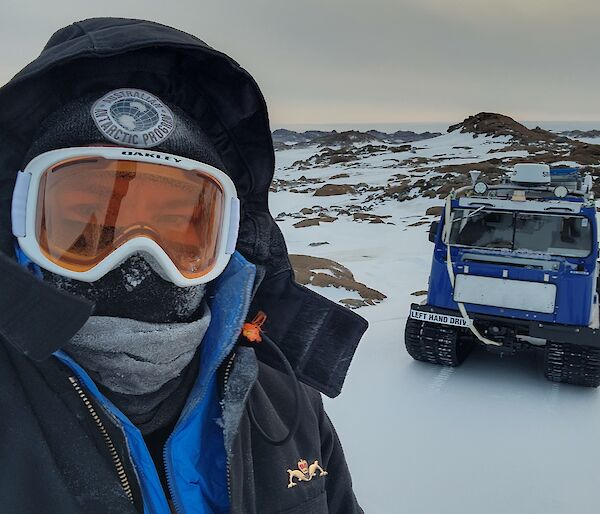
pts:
pixel 252 330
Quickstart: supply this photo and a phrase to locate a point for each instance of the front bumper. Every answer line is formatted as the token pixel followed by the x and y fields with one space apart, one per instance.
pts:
pixel 582 336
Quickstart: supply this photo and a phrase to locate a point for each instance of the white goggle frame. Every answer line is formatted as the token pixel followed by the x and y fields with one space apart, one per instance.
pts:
pixel 24 206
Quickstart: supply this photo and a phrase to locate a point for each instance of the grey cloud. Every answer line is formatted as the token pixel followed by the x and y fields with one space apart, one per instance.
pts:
pixel 378 61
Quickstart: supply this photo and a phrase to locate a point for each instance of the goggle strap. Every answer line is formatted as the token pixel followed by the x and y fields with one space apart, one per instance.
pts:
pixel 19 204
pixel 234 226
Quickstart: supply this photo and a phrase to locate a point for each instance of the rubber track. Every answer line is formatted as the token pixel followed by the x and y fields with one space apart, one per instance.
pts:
pixel 572 364
pixel 432 343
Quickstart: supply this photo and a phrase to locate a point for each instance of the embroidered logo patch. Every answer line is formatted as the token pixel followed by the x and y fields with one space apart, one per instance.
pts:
pixel 133 117
pixel 304 473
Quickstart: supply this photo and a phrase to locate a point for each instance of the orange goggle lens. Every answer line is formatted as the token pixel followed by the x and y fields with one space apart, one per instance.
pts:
pixel 88 207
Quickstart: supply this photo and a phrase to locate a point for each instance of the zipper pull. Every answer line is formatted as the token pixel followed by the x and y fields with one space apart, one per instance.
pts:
pixel 252 331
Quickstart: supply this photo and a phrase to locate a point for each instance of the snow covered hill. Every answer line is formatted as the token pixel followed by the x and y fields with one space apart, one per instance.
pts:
pixel 492 436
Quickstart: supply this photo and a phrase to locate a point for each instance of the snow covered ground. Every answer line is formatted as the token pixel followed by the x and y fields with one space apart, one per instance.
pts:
pixel 492 436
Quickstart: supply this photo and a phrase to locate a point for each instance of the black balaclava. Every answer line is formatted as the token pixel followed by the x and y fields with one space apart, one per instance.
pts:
pixel 134 289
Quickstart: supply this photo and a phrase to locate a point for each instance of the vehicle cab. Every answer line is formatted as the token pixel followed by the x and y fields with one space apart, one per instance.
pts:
pixel 515 266
pixel 523 249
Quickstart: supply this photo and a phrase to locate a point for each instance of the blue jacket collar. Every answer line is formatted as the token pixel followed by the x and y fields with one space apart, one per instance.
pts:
pixel 229 300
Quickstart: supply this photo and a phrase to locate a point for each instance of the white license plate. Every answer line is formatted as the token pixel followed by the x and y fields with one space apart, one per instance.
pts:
pixel 442 319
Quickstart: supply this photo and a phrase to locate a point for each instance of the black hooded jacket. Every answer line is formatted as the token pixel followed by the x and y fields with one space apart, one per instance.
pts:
pixel 55 458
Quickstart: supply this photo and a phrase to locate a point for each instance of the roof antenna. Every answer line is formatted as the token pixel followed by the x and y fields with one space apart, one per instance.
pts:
pixel 474 176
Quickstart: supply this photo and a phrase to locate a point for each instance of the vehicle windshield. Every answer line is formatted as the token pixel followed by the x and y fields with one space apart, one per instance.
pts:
pixel 555 234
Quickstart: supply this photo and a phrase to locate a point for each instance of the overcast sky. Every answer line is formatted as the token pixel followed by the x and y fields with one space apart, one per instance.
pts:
pixel 371 61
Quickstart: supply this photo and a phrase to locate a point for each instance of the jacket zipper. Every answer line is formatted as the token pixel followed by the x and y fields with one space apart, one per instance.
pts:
pixel 225 379
pixel 168 477
pixel 111 447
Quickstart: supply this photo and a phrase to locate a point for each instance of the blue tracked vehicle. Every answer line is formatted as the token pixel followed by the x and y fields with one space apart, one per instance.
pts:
pixel 515 267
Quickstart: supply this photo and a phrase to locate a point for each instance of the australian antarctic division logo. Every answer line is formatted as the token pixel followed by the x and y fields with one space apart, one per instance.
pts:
pixel 133 117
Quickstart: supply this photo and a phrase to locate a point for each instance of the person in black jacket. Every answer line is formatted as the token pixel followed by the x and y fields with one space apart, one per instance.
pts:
pixel 156 354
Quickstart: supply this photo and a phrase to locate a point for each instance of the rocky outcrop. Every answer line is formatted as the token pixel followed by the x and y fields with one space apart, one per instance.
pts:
pixel 494 125
pixel 345 138
pixel 292 137
pixel 321 272
pixel 312 222
pixel 335 189
pixel 581 133
pixel 585 154
pixel 435 210
pixel 369 217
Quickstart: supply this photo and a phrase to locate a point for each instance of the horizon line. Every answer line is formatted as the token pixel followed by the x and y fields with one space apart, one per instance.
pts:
pixel 555 120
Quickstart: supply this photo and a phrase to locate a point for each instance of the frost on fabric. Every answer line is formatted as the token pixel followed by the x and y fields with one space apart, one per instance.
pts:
pixel 133 277
pixel 136 289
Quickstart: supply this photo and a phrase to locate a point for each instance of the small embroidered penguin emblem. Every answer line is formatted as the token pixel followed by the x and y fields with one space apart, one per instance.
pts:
pixel 304 473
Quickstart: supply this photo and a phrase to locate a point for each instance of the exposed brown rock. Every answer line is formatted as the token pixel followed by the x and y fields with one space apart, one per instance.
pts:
pixel 371 218
pixel 586 154
pixel 435 210
pixel 312 222
pixel 334 189
pixel 307 271
pixel 327 219
pixel 417 161
pixel 326 157
pixel 581 133
pixel 370 149
pixel 325 280
pixel 346 138
pixel 456 176
pixel 444 190
pixel 399 149
pixel 337 159
pixel 304 265
pixel 397 191
pixel 309 222
pixel 494 125
pixel 353 303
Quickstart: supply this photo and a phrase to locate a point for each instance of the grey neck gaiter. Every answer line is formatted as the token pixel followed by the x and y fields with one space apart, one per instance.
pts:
pixel 143 368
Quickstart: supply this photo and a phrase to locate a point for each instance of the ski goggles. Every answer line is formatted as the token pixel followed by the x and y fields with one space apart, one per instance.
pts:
pixel 80 212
